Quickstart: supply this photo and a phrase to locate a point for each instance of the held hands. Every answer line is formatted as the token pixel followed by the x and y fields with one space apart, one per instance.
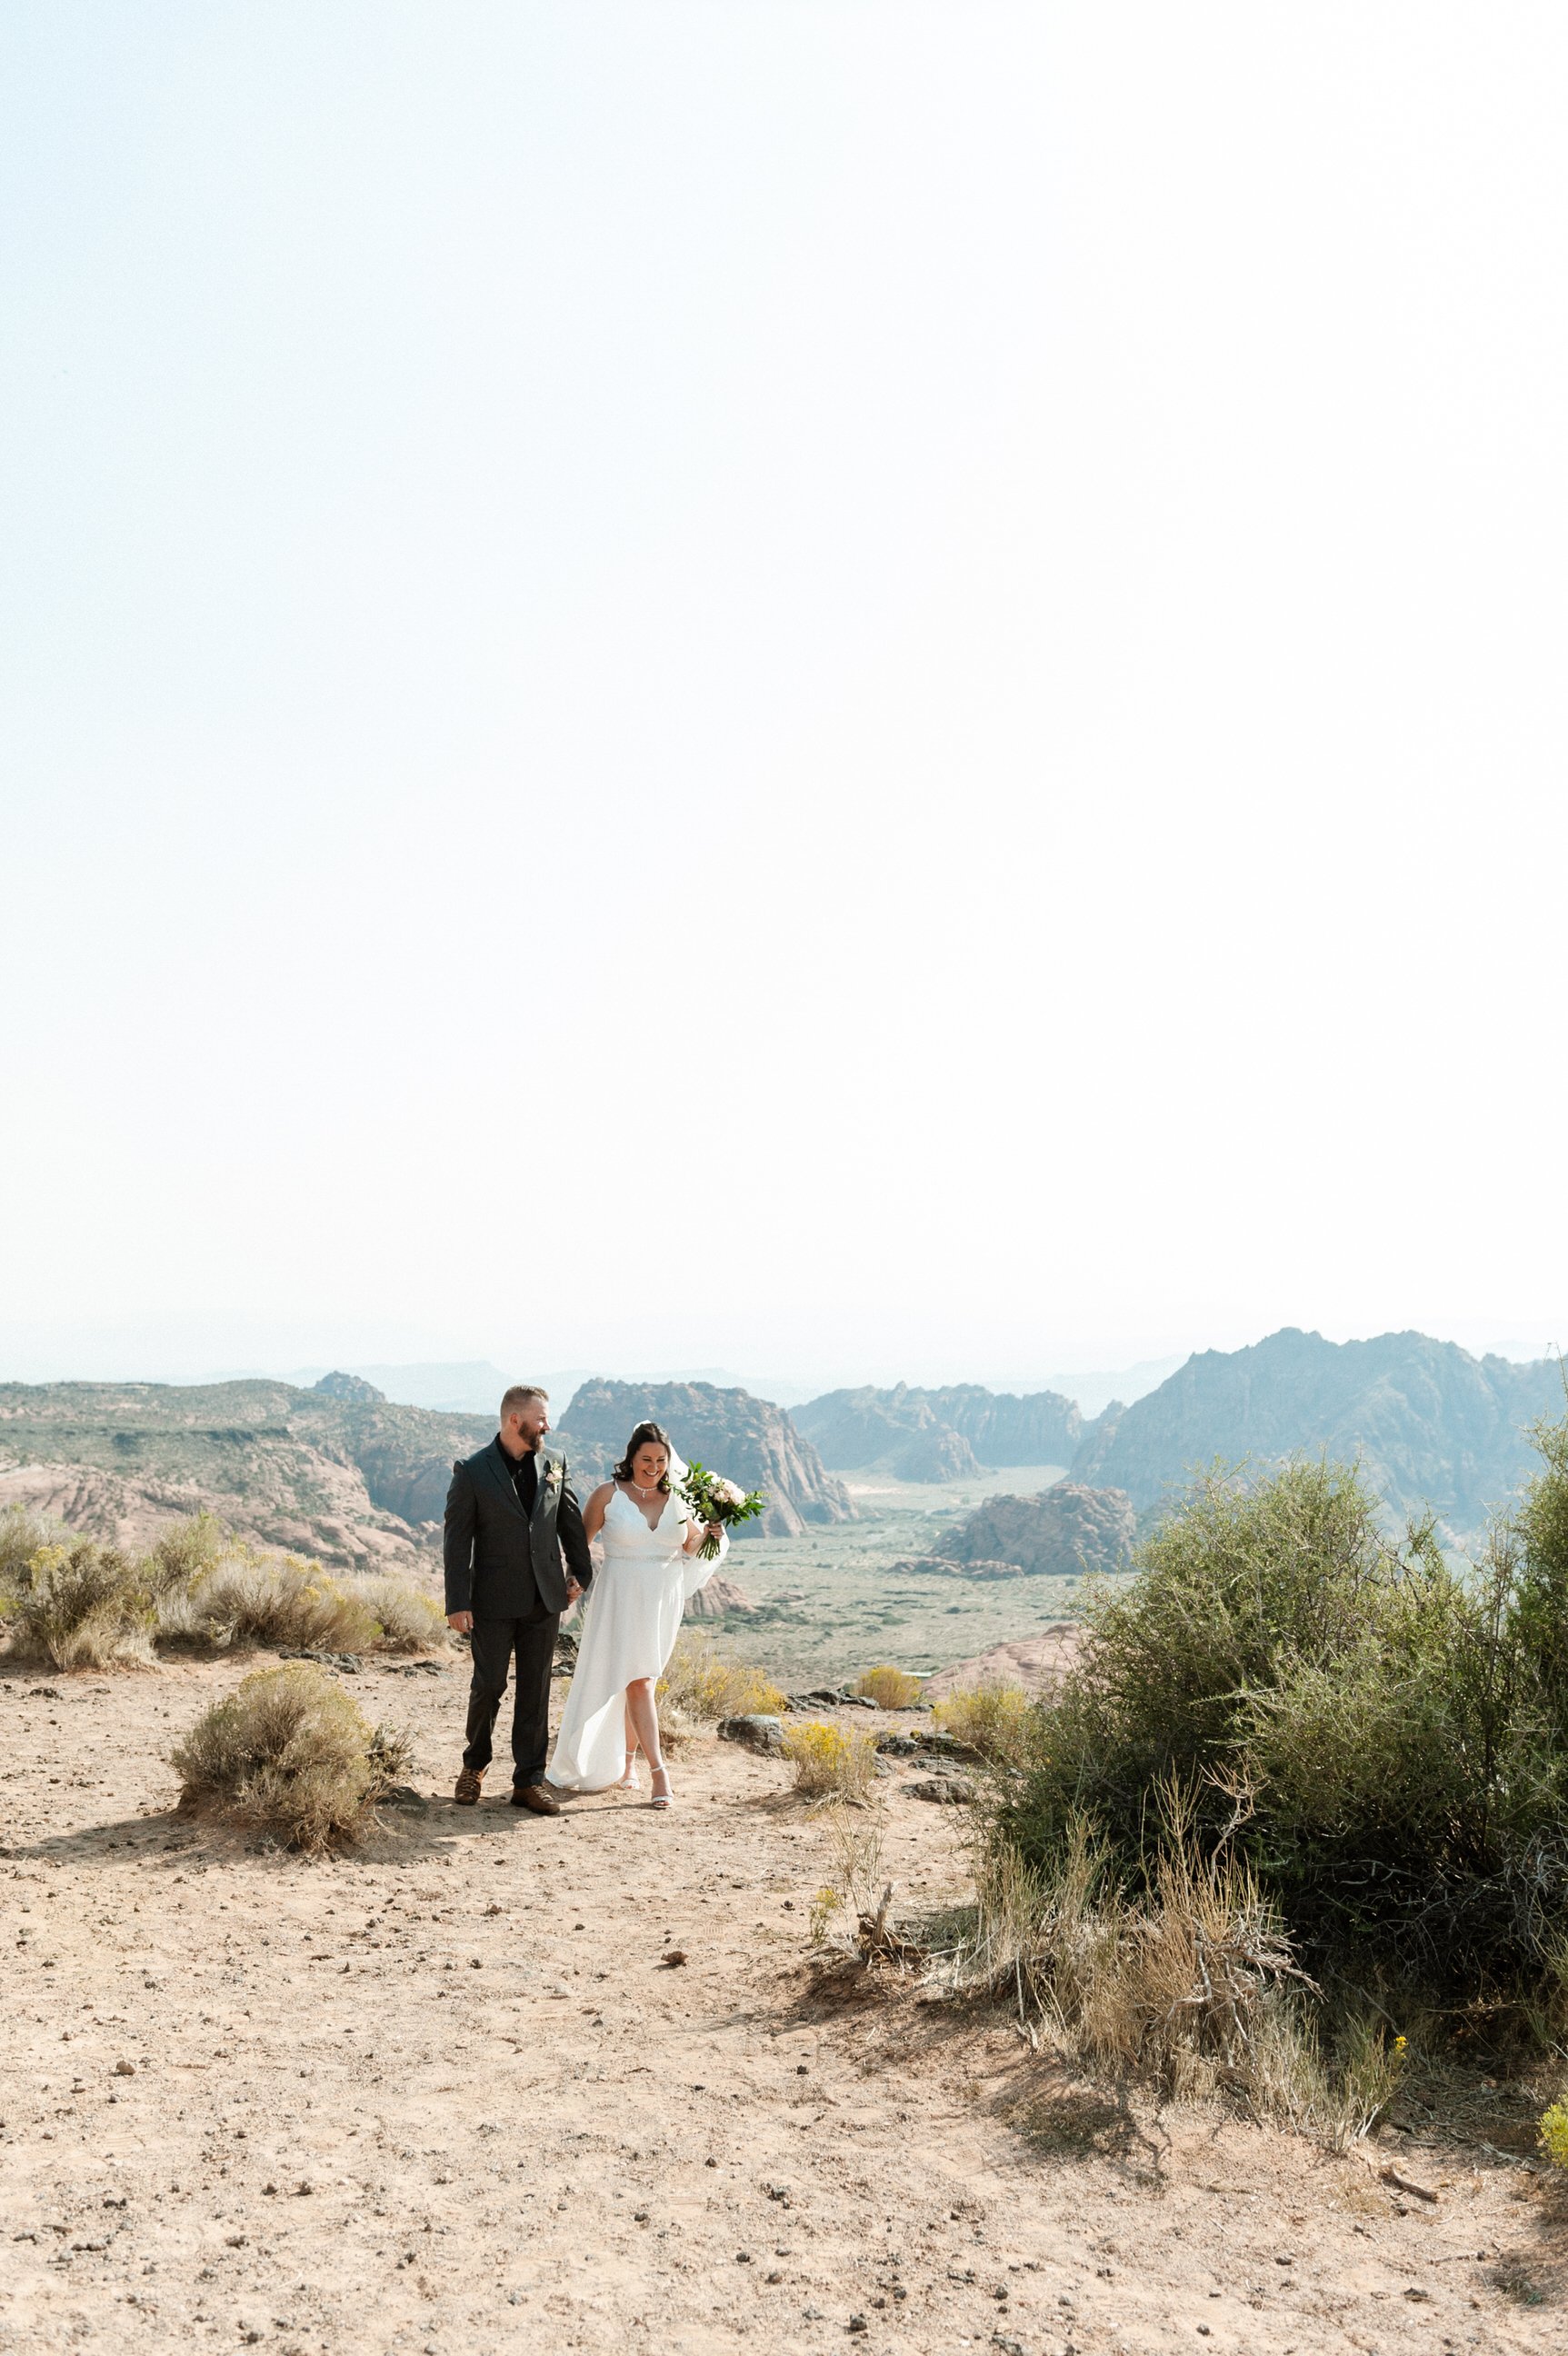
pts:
pixel 573 1590
pixel 462 1621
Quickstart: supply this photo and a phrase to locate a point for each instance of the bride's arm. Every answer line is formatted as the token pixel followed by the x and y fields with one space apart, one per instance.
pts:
pixel 595 1509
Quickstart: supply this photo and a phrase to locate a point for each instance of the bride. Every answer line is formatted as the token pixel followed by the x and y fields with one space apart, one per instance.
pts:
pixel 631 1619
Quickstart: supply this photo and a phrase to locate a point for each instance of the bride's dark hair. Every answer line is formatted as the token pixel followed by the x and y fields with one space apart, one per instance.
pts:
pixel 645 1435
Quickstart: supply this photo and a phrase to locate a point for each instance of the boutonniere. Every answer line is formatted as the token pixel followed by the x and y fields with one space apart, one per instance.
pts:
pixel 553 1478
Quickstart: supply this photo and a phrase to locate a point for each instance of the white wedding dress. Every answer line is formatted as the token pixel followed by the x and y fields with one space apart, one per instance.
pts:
pixel 631 1622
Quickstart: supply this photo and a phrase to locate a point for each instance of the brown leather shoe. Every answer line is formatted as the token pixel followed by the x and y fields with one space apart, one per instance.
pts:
pixel 468 1785
pixel 542 1801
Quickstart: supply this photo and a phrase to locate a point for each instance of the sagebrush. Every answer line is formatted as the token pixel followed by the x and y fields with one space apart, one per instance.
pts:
pixel 830 1759
pixel 704 1685
pixel 889 1687
pixel 82 1605
pixel 992 1716
pixel 289 1753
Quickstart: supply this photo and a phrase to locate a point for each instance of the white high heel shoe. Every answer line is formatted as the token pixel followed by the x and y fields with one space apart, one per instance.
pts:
pixel 662 1799
pixel 629 1781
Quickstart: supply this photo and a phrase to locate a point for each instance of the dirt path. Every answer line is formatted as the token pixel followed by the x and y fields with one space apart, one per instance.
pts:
pixel 446 2097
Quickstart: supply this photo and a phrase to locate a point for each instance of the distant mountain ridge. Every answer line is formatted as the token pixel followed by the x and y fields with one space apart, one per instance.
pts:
pixel 941 1435
pixel 1432 1425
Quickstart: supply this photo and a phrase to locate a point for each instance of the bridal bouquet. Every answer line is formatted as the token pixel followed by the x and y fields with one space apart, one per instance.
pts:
pixel 714 1499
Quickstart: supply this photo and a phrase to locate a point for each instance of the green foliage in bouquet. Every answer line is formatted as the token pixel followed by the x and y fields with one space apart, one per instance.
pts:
pixel 714 1499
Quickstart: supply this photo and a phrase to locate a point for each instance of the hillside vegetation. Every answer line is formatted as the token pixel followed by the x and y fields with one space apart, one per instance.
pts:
pixel 351 1481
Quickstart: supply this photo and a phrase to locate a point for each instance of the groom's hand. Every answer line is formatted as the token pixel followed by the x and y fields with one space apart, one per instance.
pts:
pixel 462 1621
pixel 573 1591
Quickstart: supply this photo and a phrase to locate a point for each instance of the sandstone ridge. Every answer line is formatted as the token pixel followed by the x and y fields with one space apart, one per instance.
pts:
pixel 1064 1532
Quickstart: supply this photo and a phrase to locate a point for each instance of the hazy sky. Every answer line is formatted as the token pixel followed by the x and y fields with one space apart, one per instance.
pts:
pixel 850 688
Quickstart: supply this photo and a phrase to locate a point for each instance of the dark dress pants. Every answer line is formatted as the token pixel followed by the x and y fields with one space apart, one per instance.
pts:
pixel 494 1642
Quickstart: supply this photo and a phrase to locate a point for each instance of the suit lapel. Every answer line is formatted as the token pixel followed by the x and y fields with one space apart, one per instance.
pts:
pixel 501 1473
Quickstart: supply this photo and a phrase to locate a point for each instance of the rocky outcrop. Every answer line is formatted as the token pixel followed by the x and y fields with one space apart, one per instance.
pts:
pixel 1432 1426
pixel 718 1601
pixel 353 1387
pixel 936 1453
pixel 1060 1534
pixel 1036 1663
pixel 748 1439
pixel 938 1435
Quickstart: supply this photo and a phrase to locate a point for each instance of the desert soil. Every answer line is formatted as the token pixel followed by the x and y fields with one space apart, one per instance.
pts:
pixel 449 2094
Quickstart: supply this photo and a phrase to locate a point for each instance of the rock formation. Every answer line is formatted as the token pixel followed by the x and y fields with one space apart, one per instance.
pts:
pixel 353 1387
pixel 940 1435
pixel 748 1439
pixel 1064 1531
pixel 1036 1663
pixel 1431 1425
pixel 718 1600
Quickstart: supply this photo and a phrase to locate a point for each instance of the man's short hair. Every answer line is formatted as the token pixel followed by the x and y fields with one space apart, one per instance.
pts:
pixel 518 1396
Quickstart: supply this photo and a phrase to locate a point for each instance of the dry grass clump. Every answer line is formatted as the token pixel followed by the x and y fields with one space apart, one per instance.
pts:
pixel 992 1717
pixel 851 1894
pixel 289 1753
pixel 252 1600
pixel 409 1622
pixel 82 1605
pixel 827 1760
pixel 1194 1984
pixel 703 1685
pixel 889 1687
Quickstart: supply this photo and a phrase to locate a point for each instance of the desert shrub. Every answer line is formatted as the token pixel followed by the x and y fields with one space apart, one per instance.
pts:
pixel 179 1558
pixel 23 1534
pixel 256 1599
pixel 1554 2134
pixel 889 1687
pixel 410 1622
pixel 827 1759
pixel 704 1685
pixel 290 1754
pixel 1381 1740
pixel 990 1717
pixel 82 1605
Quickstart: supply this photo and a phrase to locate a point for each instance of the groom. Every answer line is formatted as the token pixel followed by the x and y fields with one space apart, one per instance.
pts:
pixel 509 1517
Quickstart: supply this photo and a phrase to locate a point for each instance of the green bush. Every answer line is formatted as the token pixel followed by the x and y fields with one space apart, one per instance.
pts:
pixel 1383 1740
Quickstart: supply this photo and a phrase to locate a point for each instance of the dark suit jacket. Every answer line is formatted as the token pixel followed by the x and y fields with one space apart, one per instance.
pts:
pixel 499 1564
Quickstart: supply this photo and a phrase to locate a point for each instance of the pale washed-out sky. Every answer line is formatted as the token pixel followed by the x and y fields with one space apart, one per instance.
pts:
pixel 856 689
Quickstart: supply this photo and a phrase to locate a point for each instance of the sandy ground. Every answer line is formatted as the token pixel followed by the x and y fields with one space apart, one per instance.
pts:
pixel 447 2095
